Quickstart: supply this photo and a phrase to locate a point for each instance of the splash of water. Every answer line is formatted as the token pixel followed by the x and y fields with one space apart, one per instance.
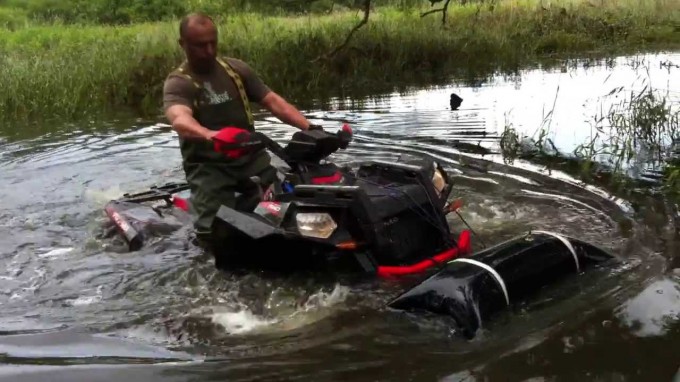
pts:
pixel 280 317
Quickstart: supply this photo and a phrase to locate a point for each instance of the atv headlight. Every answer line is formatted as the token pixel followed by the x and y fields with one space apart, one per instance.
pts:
pixel 438 181
pixel 319 225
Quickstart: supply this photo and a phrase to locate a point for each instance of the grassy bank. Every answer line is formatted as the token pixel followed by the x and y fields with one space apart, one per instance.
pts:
pixel 73 71
pixel 633 143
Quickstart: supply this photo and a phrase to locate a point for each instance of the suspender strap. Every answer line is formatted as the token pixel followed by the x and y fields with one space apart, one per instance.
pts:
pixel 181 71
pixel 234 77
pixel 241 89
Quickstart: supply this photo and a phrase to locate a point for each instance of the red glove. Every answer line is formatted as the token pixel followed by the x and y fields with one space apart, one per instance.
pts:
pixel 232 142
pixel 347 129
pixel 345 136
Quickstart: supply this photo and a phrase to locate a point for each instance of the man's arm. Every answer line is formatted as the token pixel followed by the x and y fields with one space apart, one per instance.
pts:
pixel 262 94
pixel 284 111
pixel 178 95
pixel 182 121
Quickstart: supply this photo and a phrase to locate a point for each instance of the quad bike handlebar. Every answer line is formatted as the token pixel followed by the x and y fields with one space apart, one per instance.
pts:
pixel 306 146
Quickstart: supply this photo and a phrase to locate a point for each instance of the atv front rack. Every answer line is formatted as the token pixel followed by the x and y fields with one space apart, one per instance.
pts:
pixel 156 193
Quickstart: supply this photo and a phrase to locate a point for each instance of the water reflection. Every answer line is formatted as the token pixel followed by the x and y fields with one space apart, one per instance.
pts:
pixel 564 101
pixel 654 310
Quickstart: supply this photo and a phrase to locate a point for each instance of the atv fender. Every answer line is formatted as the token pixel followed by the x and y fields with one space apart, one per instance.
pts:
pixel 246 223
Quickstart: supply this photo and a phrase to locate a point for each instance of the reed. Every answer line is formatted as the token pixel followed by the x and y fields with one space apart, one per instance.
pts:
pixel 635 140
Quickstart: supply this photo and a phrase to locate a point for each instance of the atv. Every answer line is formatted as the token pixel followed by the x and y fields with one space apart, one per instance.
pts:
pixel 382 218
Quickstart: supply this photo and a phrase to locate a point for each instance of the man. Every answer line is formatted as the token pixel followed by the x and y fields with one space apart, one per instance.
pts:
pixel 201 97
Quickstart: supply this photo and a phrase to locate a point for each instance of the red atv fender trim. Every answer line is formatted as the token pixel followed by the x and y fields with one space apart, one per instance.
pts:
pixel 335 178
pixel 271 207
pixel 463 248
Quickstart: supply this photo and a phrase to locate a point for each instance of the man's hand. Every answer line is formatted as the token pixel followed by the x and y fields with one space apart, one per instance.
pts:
pixel 284 111
pixel 235 142
pixel 182 121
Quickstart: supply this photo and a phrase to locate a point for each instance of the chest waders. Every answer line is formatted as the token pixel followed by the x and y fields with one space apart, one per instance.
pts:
pixel 213 178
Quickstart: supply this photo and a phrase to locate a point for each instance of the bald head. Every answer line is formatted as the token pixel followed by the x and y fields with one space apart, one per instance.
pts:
pixel 194 19
pixel 198 38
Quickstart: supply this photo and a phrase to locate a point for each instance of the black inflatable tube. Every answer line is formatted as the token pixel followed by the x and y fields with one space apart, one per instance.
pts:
pixel 471 290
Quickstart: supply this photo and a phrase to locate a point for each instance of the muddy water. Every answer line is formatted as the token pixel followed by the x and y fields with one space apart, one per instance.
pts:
pixel 77 307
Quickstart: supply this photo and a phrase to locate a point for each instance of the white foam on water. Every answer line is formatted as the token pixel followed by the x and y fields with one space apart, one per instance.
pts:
pixel 516 177
pixel 87 300
pixel 102 196
pixel 55 252
pixel 84 300
pixel 317 307
pixel 240 321
pixel 488 213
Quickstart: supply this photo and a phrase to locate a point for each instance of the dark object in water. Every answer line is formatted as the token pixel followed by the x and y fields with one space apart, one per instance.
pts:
pixel 136 222
pixel 455 101
pixel 474 289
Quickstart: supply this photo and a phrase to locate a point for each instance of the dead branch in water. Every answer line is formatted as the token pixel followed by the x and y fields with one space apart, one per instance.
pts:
pixel 443 10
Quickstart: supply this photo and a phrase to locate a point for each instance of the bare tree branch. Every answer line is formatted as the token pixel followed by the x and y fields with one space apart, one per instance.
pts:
pixel 364 20
pixel 443 10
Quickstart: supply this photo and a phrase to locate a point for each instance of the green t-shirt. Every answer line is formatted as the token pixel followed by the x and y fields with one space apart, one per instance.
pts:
pixel 216 103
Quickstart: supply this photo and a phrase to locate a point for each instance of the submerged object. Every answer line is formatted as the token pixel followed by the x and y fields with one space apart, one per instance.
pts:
pixel 472 290
pixel 156 212
pixel 455 101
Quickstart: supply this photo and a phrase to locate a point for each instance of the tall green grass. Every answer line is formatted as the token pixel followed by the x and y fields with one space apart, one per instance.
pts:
pixel 134 11
pixel 71 71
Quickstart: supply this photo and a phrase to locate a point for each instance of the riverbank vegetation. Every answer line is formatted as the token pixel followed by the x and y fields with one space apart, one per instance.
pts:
pixel 635 142
pixel 66 61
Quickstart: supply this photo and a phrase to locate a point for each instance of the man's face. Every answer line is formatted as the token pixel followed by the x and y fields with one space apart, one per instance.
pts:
pixel 200 45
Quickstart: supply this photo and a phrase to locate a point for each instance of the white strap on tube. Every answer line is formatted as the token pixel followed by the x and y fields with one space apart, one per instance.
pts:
pixel 493 272
pixel 567 243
